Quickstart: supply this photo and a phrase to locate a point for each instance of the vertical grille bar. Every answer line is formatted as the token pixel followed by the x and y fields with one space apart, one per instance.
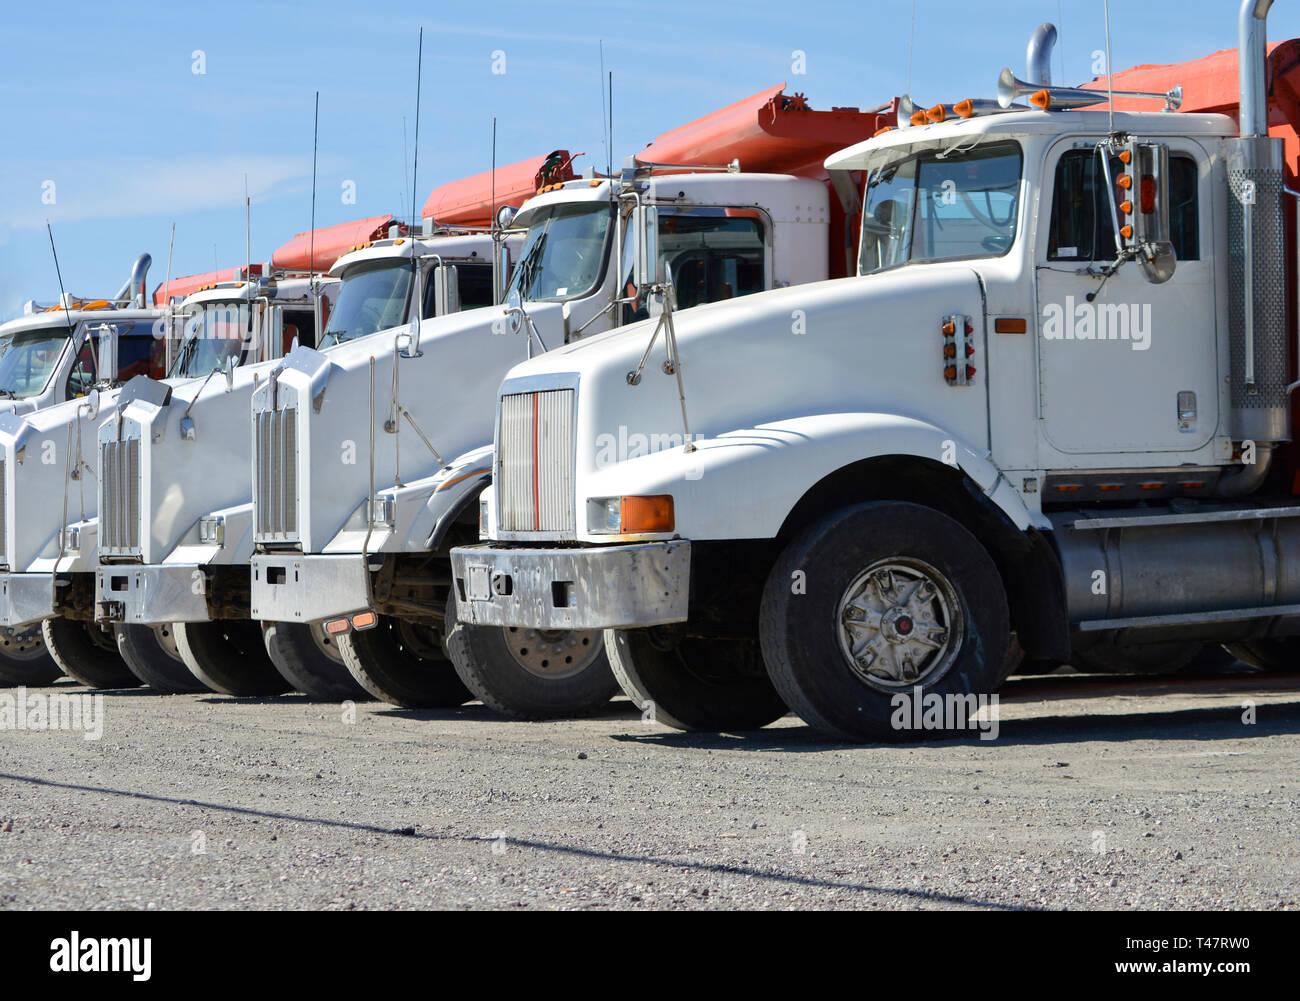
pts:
pixel 536 457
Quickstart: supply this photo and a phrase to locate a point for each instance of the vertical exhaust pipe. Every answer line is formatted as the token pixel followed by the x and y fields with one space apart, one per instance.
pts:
pixel 1252 53
pixel 1038 55
pixel 133 292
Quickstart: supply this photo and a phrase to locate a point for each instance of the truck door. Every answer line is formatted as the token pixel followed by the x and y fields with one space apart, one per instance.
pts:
pixel 1114 372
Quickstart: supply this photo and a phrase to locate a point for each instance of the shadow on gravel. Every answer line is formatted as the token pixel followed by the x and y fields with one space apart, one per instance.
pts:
pixel 544 846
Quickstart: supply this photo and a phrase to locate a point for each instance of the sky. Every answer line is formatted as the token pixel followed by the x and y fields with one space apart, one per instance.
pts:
pixel 118 120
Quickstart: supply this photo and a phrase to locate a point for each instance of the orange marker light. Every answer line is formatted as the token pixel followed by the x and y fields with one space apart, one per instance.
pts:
pixel 965 108
pixel 1125 181
pixel 937 114
pixel 949 329
pixel 647 515
pixel 920 118
pixel 1042 100
pixel 1126 232
pixel 1125 157
pixel 364 620
pixel 1010 325
pixel 1126 208
pixel 337 626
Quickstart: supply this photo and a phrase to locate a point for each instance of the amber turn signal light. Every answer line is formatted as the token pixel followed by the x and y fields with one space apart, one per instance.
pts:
pixel 965 108
pixel 647 515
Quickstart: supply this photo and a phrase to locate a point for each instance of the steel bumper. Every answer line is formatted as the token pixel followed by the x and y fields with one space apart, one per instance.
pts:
pixel 291 587
pixel 25 598
pixel 603 587
pixel 151 595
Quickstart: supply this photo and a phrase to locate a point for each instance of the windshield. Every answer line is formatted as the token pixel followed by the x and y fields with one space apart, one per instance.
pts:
pixel 372 297
pixel 210 335
pixel 563 252
pixel 932 207
pixel 27 358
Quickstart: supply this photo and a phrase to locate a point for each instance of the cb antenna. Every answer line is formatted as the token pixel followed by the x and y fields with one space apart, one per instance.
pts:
pixel 415 168
pixel 248 232
pixel 63 297
pixel 609 153
pixel 311 253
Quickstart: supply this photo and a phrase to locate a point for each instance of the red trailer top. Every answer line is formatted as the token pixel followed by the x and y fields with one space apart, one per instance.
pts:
pixel 184 285
pixel 768 132
pixel 471 200
pixel 330 243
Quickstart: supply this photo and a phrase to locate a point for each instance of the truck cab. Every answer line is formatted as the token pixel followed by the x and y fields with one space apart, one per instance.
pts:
pixel 1046 405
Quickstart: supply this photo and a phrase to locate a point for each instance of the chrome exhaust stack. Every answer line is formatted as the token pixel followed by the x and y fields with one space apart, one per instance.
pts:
pixel 133 292
pixel 1038 55
pixel 1257 268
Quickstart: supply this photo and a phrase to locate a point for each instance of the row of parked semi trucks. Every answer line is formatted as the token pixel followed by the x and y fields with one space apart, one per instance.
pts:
pixel 801 410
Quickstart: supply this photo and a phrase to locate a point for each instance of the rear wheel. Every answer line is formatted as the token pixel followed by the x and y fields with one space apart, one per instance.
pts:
pixel 24 659
pixel 694 684
pixel 1279 654
pixel 87 653
pixel 531 673
pixel 890 601
pixel 151 655
pixel 309 660
pixel 229 657
pixel 403 663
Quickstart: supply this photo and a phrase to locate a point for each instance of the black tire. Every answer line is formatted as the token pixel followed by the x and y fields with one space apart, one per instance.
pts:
pixel 1277 654
pixel 530 673
pixel 308 659
pixel 87 653
pixel 25 660
pixel 229 657
pixel 712 686
pixel 150 654
pixel 404 664
pixel 892 548
pixel 1149 658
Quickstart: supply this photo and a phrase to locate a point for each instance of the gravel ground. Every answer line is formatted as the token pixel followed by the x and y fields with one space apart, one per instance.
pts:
pixel 1098 793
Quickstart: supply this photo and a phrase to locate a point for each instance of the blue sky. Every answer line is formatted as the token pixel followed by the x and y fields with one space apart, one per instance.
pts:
pixel 103 101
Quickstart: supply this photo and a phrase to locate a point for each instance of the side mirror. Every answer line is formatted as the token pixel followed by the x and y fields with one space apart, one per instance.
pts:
pixel 1151 212
pixel 92 404
pixel 505 216
pixel 645 243
pixel 106 363
pixel 446 290
pixel 231 364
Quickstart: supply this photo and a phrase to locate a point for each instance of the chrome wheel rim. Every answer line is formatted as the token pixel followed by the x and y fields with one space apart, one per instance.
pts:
pixel 325 643
pixel 553 654
pixel 22 644
pixel 900 624
pixel 167 640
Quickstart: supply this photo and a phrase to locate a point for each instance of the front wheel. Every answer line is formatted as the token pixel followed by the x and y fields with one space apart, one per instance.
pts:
pixel 531 673
pixel 25 660
pixel 87 653
pixel 403 663
pixel 309 660
pixel 228 656
pixel 709 685
pixel 879 606
pixel 151 655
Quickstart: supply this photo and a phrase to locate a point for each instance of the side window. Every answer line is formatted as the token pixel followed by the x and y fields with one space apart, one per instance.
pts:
pixel 82 376
pixel 1081 228
pixel 712 258
pixel 475 281
pixel 300 324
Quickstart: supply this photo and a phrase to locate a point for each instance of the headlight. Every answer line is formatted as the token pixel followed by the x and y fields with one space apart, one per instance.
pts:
pixel 652 515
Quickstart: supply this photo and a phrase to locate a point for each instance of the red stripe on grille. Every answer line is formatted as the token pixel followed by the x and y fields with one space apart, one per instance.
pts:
pixel 537 506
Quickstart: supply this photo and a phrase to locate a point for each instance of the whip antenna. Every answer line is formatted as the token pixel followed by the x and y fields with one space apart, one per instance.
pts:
pixel 311 253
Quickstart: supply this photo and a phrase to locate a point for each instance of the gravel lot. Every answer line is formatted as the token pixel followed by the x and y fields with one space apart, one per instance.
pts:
pixel 1098 793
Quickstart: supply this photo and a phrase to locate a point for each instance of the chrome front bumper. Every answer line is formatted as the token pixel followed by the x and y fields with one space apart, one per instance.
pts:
pixel 25 598
pixel 604 587
pixel 151 595
pixel 291 587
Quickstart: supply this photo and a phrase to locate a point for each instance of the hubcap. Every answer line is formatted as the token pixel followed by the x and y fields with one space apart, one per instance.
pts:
pixel 900 624
pixel 552 653
pixel 22 644
pixel 167 640
pixel 325 643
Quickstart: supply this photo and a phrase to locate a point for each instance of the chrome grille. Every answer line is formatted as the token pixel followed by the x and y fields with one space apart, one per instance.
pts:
pixel 276 493
pixel 119 501
pixel 535 457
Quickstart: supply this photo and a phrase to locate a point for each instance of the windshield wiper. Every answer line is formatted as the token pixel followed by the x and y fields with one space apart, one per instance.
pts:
pixel 529 265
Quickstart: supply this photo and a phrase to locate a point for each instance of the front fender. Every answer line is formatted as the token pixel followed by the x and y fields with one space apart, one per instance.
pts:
pixel 743 485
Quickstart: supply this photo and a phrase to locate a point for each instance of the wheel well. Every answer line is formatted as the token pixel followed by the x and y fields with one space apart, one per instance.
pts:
pixel 1026 561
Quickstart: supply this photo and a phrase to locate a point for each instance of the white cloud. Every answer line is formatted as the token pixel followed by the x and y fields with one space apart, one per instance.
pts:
pixel 145 187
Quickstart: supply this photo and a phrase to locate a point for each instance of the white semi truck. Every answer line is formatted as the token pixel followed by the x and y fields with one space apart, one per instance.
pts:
pixel 51 483
pixel 176 482
pixel 1055 401
pixel 50 356
pixel 368 555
